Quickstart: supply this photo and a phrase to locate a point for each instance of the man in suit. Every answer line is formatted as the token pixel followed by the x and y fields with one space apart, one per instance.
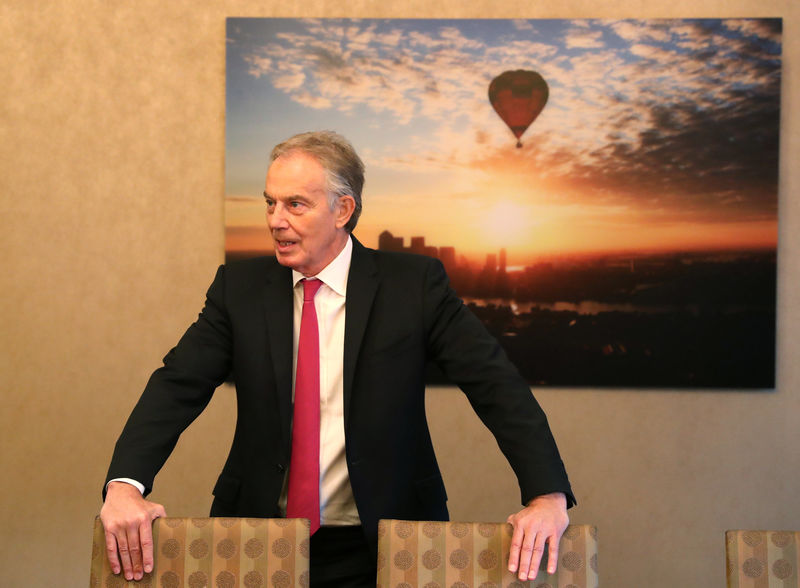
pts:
pixel 378 318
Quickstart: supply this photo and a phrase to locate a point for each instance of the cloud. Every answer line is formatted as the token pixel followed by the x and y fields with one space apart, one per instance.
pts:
pixel 676 113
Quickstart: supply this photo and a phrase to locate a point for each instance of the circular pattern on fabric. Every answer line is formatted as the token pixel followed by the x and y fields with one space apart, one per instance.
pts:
pixel 303 580
pixel 254 522
pixel 197 580
pixel 543 585
pixel 225 580
pixel 489 585
pixel 458 585
pixel 253 548
pixel 593 533
pixel 487 529
pixel 146 581
pixel 226 549
pixel 432 585
pixel 282 522
pixel 593 563
pixel 281 548
pixel 782 569
pixel 170 580
pixel 403 559
pixel 404 530
pixel 431 559
pixel 253 579
pixel 781 538
pixel 753 567
pixel 572 561
pixel 227 522
pixel 381 528
pixel 113 581
pixel 752 538
pixel 304 548
pixel 404 585
pixel 572 533
pixel 572 586
pixel 200 522
pixel 173 523
pixel 431 530
pixel 459 530
pixel 459 559
pixel 381 560
pixel 198 548
pixel 171 548
pixel 281 579
pixel 516 584
pixel 488 559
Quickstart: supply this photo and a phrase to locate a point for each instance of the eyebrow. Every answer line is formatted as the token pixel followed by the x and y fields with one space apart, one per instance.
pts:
pixel 289 197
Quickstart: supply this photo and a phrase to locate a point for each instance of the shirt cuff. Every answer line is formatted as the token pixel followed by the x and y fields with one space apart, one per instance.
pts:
pixel 134 483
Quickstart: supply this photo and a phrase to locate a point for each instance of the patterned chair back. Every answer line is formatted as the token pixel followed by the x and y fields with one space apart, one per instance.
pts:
pixel 429 554
pixel 221 552
pixel 766 559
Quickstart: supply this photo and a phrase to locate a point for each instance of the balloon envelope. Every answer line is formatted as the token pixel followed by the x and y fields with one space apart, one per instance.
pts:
pixel 518 97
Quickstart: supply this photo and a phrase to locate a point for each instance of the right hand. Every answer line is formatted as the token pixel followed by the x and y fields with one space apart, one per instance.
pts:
pixel 128 522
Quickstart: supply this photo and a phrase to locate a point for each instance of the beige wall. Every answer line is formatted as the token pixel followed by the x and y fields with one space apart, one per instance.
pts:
pixel 111 163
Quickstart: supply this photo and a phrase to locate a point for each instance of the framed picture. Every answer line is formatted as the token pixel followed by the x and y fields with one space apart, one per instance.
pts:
pixel 602 193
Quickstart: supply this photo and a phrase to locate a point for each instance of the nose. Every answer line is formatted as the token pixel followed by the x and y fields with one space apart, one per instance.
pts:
pixel 276 218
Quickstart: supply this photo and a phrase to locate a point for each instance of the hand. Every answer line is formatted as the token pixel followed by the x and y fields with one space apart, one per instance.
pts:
pixel 128 522
pixel 542 522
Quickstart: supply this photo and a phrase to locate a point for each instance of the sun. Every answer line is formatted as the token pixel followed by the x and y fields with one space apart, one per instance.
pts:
pixel 507 224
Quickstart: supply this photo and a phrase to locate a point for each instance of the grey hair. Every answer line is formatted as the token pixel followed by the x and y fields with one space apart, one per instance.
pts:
pixel 344 170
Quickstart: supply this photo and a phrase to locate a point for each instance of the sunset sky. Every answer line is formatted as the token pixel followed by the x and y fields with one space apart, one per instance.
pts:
pixel 658 134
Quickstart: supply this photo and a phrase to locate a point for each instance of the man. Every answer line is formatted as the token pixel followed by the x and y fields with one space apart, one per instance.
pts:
pixel 377 318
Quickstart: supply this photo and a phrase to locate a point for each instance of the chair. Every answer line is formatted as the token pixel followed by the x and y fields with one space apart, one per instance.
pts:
pixel 219 552
pixel 762 558
pixel 428 554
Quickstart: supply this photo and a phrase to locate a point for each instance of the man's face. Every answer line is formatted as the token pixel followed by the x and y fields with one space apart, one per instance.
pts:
pixel 307 234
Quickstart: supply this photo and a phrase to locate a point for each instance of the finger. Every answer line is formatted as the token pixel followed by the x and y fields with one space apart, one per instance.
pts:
pixel 146 540
pixel 536 556
pixel 124 555
pixel 552 558
pixel 527 557
pixel 135 549
pixel 516 546
pixel 111 552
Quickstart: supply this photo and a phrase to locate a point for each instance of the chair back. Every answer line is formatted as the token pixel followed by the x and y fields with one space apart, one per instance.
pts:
pixel 222 552
pixel 435 554
pixel 762 558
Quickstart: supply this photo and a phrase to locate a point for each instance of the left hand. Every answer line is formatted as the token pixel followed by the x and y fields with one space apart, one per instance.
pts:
pixel 540 523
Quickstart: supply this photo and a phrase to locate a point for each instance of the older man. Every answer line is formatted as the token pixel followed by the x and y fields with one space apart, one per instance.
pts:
pixel 327 343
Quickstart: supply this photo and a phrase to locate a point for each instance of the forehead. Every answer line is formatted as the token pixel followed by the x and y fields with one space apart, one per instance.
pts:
pixel 295 173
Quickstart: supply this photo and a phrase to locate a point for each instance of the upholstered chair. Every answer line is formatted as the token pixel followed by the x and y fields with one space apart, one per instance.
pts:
pixel 427 554
pixel 762 558
pixel 220 552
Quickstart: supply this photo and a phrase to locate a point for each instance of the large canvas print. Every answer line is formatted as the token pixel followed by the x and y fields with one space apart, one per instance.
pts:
pixel 602 193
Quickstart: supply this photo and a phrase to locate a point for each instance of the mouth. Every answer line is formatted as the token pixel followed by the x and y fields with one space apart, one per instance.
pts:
pixel 283 245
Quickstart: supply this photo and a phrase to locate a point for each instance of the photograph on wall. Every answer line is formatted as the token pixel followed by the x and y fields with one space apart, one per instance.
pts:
pixel 602 193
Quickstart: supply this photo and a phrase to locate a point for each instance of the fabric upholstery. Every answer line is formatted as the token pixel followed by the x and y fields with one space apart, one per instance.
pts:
pixel 219 552
pixel 429 554
pixel 768 559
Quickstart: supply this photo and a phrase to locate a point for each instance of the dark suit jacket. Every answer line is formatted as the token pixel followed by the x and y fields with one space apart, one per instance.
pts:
pixel 400 313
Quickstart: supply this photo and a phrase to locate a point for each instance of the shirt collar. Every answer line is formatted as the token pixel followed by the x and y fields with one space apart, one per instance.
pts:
pixel 334 275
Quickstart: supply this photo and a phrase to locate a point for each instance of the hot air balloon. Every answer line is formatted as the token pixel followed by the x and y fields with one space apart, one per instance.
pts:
pixel 518 97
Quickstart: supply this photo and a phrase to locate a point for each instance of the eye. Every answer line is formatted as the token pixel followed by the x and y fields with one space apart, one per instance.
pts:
pixel 296 205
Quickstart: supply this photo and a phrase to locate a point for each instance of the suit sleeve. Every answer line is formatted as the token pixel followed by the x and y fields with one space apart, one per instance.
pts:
pixel 177 392
pixel 471 358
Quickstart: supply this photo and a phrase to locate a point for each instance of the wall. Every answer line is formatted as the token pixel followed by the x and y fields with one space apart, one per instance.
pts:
pixel 111 164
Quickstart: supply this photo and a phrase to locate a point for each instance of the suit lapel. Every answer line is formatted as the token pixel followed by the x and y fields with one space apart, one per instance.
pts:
pixel 362 284
pixel 279 310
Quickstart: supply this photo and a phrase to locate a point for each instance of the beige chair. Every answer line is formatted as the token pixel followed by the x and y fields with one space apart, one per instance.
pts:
pixel 428 554
pixel 218 552
pixel 762 558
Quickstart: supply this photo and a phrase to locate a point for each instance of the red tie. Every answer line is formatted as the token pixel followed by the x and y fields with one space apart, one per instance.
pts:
pixel 303 499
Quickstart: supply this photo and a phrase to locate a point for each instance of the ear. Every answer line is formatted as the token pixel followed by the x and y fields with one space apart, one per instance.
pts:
pixel 345 206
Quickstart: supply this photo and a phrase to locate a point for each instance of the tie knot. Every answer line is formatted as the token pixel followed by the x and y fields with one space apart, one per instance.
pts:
pixel 310 288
